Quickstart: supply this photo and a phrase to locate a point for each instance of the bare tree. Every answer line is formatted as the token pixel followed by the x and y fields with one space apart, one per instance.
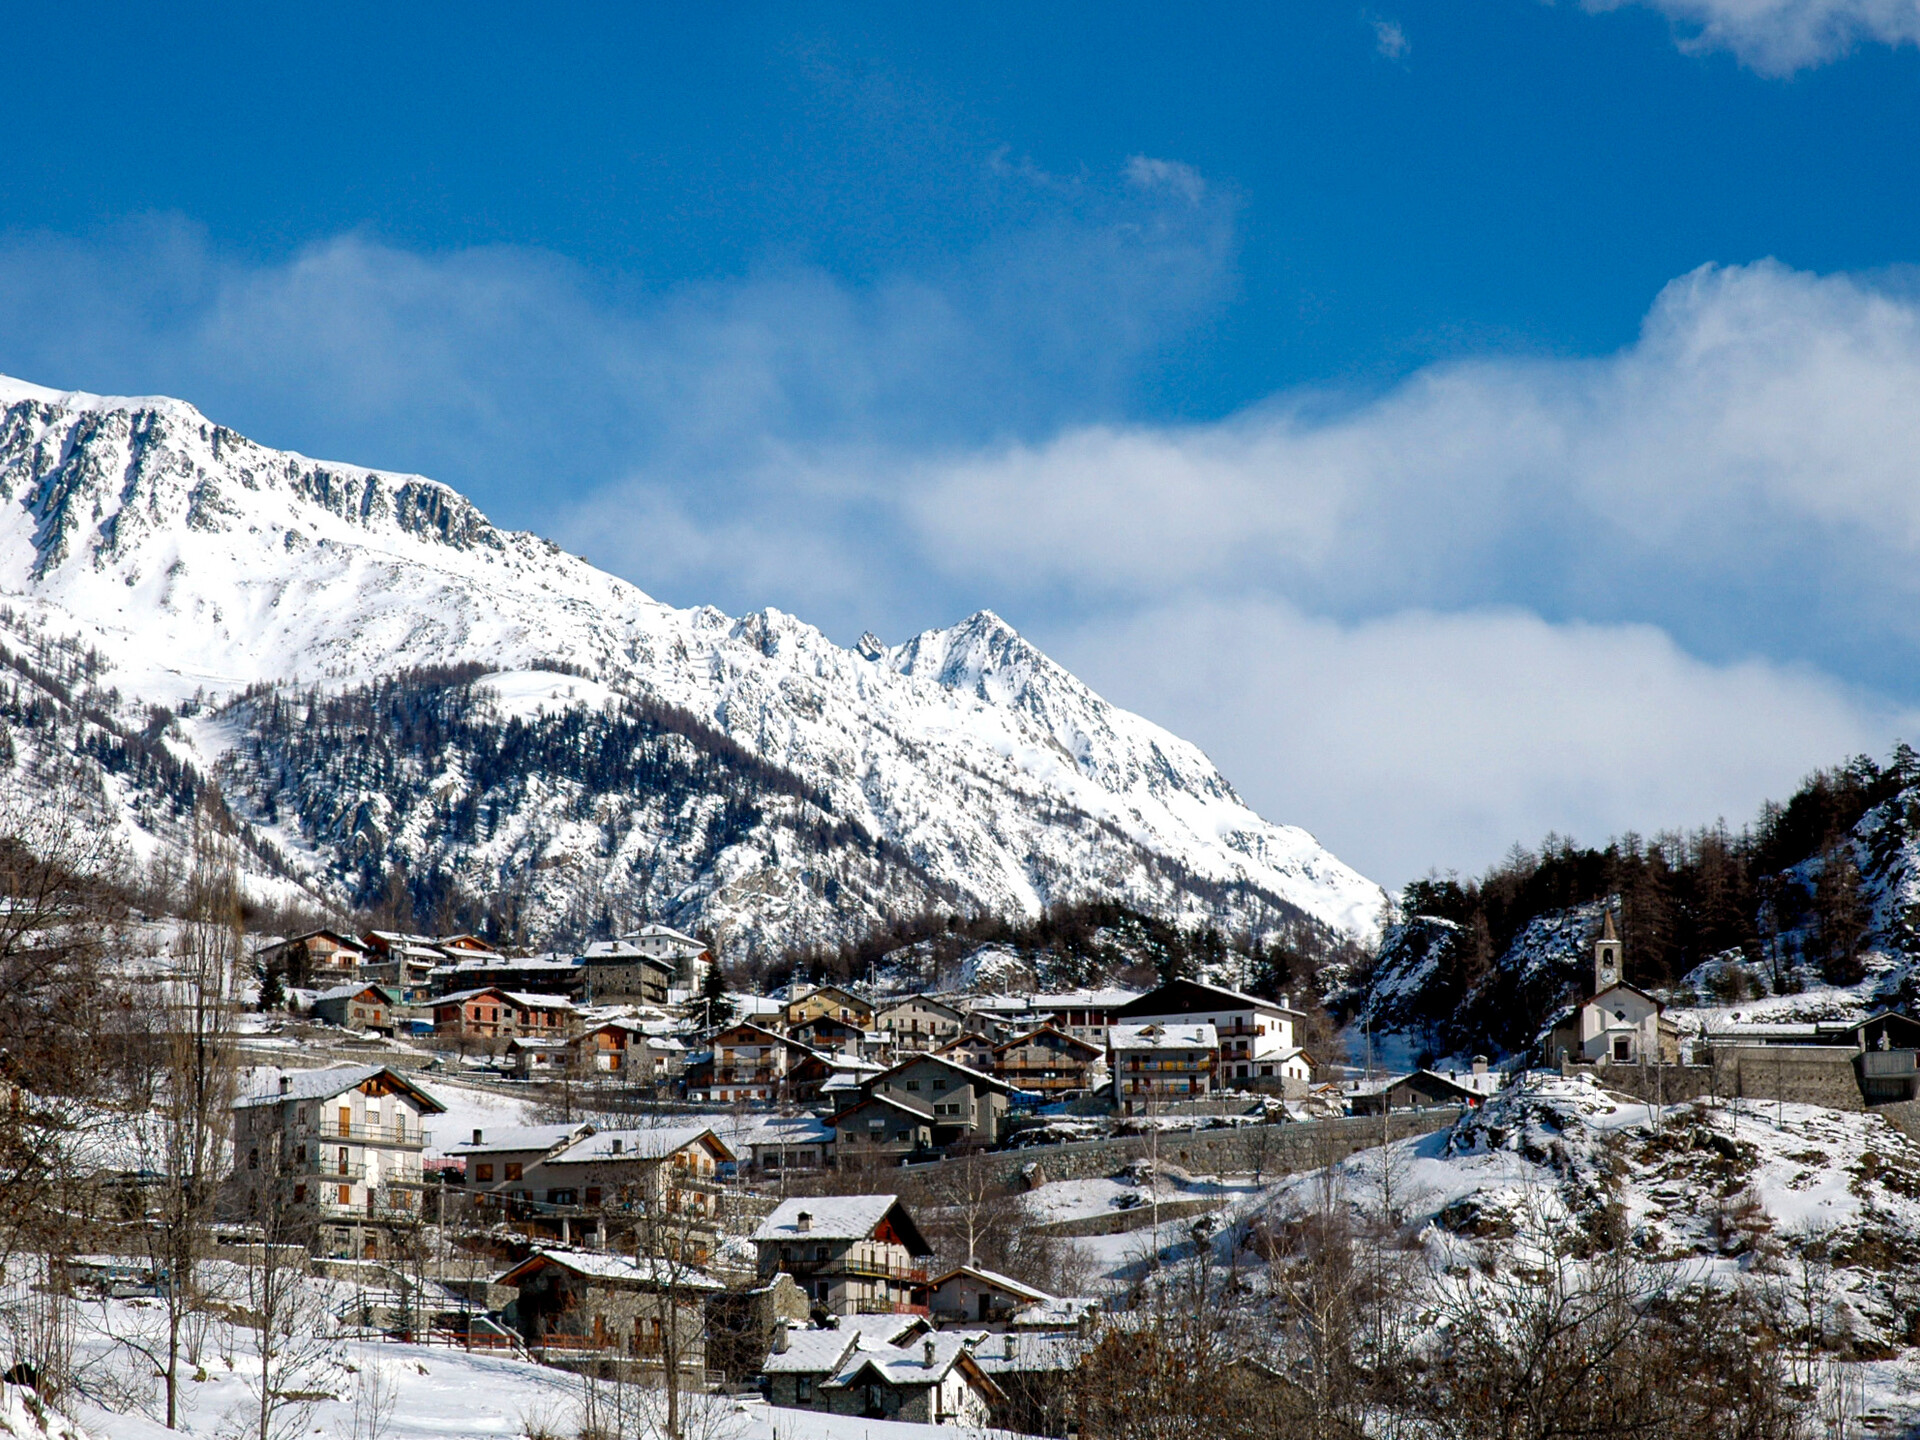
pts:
pixel 287 1319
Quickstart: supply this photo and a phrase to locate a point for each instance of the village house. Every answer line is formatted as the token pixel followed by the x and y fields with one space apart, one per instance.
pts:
pixel 930 1381
pixel 319 958
pixel 403 963
pixel 919 1022
pixel 358 1006
pixel 876 1130
pixel 747 1063
pixel 852 1254
pixel 1083 1014
pixel 770 1144
pixel 1256 1037
pixel 640 1315
pixel 1619 1025
pixel 1034 1373
pixel 496 1160
pixel 339 1151
pixel 828 1033
pixel 615 972
pixel 981 1298
pixel 1155 1064
pixel 973 1050
pixel 1426 1089
pixel 798 1360
pixel 1050 1062
pixel 961 1105
pixel 538 975
pixel 832 1001
pixel 663 1181
pixel 627 1049
pixel 495 1014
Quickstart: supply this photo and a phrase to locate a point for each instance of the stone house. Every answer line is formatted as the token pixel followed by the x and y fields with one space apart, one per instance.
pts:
pixel 930 1381
pixel 1256 1037
pixel 643 1315
pixel 852 1254
pixel 319 957
pixel 492 1014
pixel 876 1129
pixel 746 1063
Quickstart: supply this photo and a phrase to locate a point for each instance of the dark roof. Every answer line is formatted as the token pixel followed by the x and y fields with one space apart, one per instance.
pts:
pixel 1047 1030
pixel 1188 997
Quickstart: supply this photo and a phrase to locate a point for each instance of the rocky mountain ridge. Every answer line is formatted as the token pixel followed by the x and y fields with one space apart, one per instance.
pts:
pixel 214 578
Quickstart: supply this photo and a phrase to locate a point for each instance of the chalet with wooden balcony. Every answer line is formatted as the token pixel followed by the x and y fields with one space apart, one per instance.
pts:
pixel 317 958
pixel 1051 1063
pixel 338 1148
pixel 492 1014
pixel 746 1063
pixel 641 1317
pixel 832 1001
pixel 851 1254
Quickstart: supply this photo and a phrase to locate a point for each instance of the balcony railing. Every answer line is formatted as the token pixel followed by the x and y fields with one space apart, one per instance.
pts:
pixel 861 1269
pixel 334 1129
pixel 1887 1064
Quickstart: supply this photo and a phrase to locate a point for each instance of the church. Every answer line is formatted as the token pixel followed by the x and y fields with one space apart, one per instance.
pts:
pixel 1620 1025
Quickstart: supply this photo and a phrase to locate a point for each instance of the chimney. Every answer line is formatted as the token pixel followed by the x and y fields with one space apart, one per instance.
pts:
pixel 1009 1350
pixel 286 1084
pixel 476 1137
pixel 803 1222
pixel 1479 1064
pixel 780 1336
pixel 928 1350
pixel 618 1144
pixel 1286 1002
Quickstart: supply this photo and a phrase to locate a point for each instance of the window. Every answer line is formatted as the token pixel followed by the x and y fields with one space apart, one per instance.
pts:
pixel 299 1194
pixel 483 1172
pixel 253 1159
pixel 913 1084
pixel 803 1389
pixel 513 1170
pixel 1622 1048
pixel 819 1252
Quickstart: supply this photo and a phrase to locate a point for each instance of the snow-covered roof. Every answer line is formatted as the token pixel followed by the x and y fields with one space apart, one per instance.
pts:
pixel 646 1144
pixel 831 1217
pixel 1015 1351
pixel 1162 1037
pixel 334 1080
pixel 519 1137
pixel 812 1352
pixel 646 1270
pixel 1054 1313
pixel 996 1279
pixel 519 997
pixel 1110 998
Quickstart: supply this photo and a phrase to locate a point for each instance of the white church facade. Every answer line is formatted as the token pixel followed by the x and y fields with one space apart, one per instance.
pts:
pixel 1620 1024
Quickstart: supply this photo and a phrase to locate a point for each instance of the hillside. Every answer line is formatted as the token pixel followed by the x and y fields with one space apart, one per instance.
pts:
pixel 405 700
pixel 1813 911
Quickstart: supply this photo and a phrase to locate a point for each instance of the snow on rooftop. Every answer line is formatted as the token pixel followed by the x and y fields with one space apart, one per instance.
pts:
pixel 1162 1037
pixel 517 1137
pixel 831 1217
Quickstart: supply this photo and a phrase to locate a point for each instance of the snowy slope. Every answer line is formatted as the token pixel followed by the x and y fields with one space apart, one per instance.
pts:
pixel 195 561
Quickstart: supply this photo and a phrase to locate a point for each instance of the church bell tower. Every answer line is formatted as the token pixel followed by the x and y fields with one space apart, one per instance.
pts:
pixel 1606 955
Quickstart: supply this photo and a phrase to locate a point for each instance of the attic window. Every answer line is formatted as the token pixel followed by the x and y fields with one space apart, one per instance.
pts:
pixel 1619 1014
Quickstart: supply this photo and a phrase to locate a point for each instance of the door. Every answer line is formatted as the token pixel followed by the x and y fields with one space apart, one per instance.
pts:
pixel 346 1119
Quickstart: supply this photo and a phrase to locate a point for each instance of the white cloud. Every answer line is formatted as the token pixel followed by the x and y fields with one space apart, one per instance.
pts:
pixel 1183 180
pixel 1748 471
pixel 1390 39
pixel 1778 37
pixel 1422 739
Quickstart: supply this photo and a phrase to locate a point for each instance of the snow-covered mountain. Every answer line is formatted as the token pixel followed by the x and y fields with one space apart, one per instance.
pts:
pixel 962 769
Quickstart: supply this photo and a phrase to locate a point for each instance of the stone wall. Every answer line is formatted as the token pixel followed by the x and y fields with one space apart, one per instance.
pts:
pixel 1797 1074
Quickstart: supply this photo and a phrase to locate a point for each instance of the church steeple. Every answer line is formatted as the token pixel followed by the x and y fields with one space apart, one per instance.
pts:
pixel 1606 954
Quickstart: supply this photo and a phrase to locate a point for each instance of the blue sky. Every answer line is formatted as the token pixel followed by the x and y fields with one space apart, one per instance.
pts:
pixel 1463 420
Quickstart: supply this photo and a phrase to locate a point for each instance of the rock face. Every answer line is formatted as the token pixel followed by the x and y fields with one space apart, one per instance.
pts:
pixel 601 755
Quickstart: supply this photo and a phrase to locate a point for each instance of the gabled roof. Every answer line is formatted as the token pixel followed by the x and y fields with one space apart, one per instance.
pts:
pixel 518 997
pixel 868 1101
pixel 1073 1040
pixel 644 1273
pixel 927 1000
pixel 841 1217
pixel 908 1365
pixel 1186 997
pixel 348 992
pixel 1658 1005
pixel 812 1352
pixel 844 994
pixel 1162 1037
pixel 337 1080
pixel 520 1138
pixel 654 1143
pixel 977 1077
pixel 998 1281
